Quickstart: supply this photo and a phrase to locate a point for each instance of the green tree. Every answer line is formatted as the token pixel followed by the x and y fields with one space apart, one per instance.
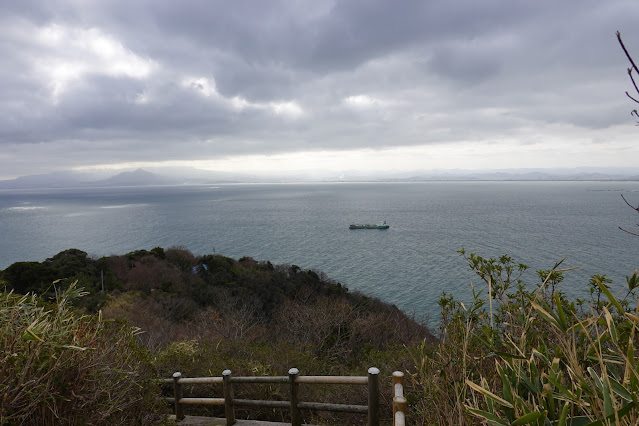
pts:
pixel 25 277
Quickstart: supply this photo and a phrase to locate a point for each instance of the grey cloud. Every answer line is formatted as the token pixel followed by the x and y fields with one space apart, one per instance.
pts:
pixel 436 67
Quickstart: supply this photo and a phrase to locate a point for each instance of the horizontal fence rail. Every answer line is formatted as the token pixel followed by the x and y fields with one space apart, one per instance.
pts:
pixel 294 404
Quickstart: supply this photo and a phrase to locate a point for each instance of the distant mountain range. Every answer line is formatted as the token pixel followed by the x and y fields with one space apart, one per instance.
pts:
pixel 191 176
pixel 137 177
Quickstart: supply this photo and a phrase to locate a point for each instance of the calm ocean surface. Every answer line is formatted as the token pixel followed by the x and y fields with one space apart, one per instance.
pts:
pixel 410 265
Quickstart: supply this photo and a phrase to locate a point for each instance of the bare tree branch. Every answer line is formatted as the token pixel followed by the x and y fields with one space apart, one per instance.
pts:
pixel 630 70
pixel 631 233
pixel 628 94
pixel 633 112
pixel 633 207
pixel 626 51
pixel 633 83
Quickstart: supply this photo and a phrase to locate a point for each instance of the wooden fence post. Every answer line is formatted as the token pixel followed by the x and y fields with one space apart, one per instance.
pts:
pixel 400 405
pixel 229 408
pixel 296 417
pixel 373 396
pixel 177 393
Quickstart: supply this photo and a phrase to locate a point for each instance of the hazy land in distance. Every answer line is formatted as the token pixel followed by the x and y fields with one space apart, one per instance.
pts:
pixel 193 176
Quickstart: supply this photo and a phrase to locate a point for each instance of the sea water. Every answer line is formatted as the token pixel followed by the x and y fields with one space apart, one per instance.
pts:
pixel 410 265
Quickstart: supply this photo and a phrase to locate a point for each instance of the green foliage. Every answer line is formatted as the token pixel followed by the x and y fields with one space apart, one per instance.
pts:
pixel 73 262
pixel 71 265
pixel 514 357
pixel 159 252
pixel 58 367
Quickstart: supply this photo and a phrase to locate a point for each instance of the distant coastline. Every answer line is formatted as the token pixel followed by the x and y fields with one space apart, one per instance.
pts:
pixel 191 176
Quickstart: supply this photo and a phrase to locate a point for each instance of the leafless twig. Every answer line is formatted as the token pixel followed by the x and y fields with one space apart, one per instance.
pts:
pixel 630 70
pixel 631 233
pixel 627 54
pixel 633 207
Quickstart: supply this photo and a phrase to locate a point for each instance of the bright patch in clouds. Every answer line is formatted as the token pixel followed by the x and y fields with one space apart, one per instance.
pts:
pixel 364 101
pixel 290 109
pixel 71 53
pixel 207 88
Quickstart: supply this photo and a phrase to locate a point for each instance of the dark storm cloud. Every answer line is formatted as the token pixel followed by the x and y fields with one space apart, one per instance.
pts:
pixel 124 81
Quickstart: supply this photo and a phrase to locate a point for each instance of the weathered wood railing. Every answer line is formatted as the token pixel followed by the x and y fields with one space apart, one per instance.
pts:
pixel 400 405
pixel 294 405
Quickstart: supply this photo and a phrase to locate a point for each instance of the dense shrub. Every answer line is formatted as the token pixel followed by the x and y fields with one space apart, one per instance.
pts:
pixel 24 277
pixel 58 367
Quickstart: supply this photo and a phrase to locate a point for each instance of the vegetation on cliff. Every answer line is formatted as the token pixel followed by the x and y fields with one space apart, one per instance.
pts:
pixel 520 352
pixel 203 314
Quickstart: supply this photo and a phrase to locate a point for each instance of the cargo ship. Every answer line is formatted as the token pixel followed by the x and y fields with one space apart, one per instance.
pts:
pixel 382 225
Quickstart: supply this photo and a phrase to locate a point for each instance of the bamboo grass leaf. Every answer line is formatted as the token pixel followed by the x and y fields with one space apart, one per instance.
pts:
pixel 563 415
pixel 546 315
pixel 609 295
pixel 620 390
pixel 490 404
pixel 596 379
pixel 583 324
pixel 75 348
pixel 611 326
pixel 608 407
pixel 30 335
pixel 527 418
pixel 505 355
pixel 558 264
pixel 569 395
pixel 506 388
pixel 541 356
pixel 529 384
pixel 632 317
pixel 579 421
pixel 561 314
pixel 632 371
pixel 493 419
pixel 609 419
pixel 489 394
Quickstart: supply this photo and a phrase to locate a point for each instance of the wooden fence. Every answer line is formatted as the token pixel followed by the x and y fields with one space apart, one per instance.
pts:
pixel 294 404
pixel 400 405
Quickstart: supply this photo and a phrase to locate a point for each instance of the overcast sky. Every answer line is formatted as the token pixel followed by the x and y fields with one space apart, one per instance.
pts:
pixel 253 86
